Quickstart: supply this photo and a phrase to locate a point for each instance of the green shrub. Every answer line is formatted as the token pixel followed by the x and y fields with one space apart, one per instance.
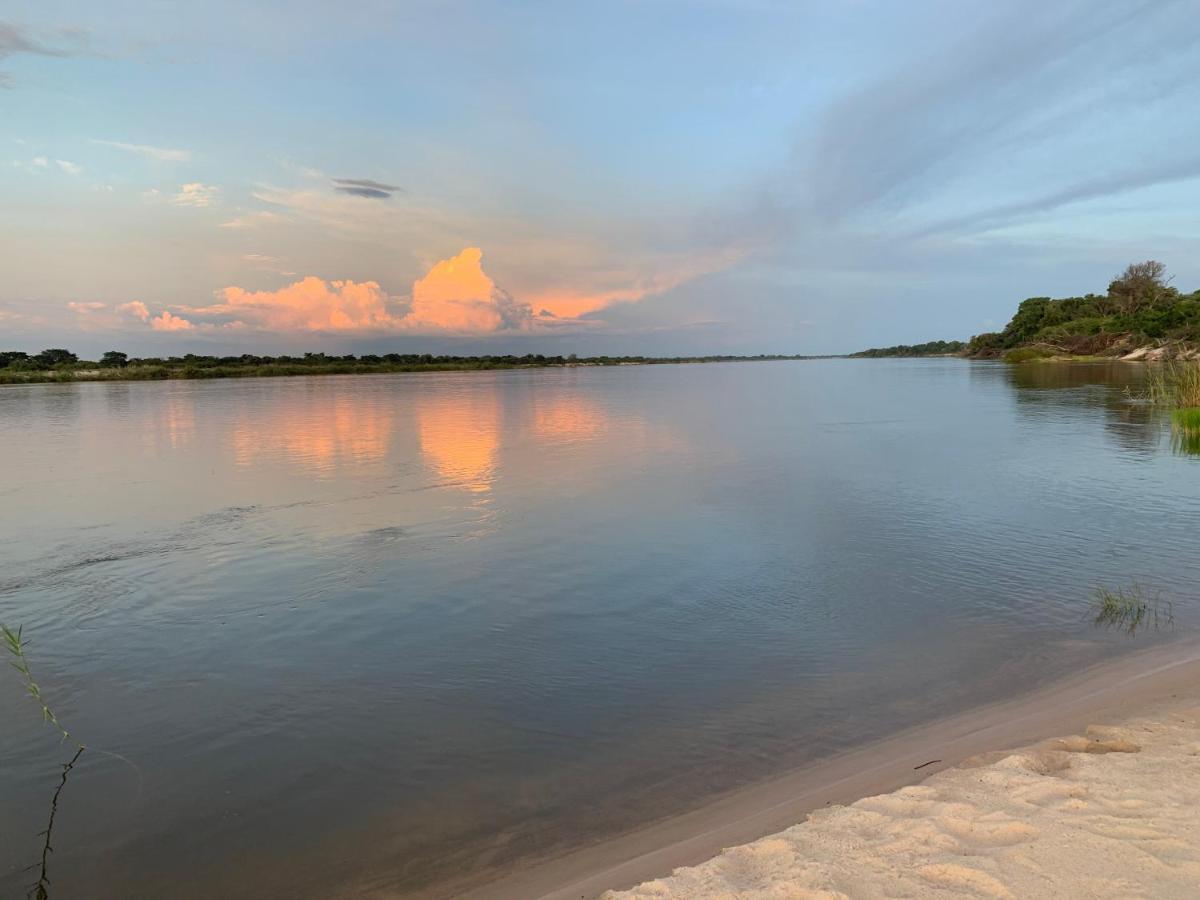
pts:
pixel 1028 354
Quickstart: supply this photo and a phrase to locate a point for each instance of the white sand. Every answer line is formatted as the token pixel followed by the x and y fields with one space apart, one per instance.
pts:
pixel 1114 812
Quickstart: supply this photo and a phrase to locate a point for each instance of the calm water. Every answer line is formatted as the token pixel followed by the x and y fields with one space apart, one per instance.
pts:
pixel 367 633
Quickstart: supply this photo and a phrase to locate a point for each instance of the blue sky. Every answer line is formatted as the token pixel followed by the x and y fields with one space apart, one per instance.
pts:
pixel 649 177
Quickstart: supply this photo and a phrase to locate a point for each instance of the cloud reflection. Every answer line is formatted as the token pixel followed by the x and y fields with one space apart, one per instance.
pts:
pixel 334 432
pixel 459 433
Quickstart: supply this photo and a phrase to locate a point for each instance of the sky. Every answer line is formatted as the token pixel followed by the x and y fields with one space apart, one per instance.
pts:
pixel 626 176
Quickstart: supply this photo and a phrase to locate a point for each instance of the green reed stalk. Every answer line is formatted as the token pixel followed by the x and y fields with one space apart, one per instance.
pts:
pixel 16 645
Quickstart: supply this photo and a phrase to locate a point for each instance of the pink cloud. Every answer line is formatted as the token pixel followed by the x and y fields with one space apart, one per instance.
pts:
pixel 135 308
pixel 168 322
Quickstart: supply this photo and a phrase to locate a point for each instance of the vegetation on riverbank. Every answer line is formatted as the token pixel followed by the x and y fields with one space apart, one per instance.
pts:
pixel 1176 386
pixel 57 365
pixel 1140 316
pixel 931 348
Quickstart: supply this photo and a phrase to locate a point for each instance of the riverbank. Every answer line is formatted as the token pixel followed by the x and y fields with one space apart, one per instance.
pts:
pixel 984 816
pixel 1112 812
pixel 218 367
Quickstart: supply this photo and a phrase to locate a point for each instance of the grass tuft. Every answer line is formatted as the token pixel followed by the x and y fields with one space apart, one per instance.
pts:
pixel 1131 609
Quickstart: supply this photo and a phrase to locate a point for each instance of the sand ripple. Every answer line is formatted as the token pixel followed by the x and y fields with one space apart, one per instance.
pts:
pixel 1114 812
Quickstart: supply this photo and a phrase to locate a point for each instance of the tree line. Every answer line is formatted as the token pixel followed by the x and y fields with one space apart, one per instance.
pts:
pixel 62 364
pixel 930 348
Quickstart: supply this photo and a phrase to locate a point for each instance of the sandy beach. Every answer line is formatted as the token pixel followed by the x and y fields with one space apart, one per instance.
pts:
pixel 1087 787
pixel 1111 812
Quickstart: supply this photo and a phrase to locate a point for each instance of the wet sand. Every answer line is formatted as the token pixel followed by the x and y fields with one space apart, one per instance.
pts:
pixel 983 820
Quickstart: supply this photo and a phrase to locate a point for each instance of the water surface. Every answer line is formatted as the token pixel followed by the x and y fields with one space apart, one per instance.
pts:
pixel 373 633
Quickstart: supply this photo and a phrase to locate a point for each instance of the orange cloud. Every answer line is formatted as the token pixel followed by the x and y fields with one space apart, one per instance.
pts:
pixel 457 295
pixel 167 322
pixel 310 304
pixel 629 287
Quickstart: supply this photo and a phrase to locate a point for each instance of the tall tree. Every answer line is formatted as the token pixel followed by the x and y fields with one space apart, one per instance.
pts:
pixel 1141 286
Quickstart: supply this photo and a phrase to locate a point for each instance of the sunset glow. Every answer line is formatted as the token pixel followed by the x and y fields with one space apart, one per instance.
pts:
pixel 606 195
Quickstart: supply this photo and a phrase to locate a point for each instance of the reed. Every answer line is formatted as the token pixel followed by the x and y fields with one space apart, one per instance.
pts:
pixel 1131 609
pixel 16 646
pixel 1175 384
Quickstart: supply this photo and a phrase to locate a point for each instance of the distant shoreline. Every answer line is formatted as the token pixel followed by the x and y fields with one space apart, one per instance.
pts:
pixel 283 367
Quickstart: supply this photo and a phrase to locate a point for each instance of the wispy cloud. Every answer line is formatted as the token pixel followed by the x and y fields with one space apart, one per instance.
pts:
pixel 16 39
pixel 254 220
pixel 195 194
pixel 994 100
pixel 1081 191
pixel 266 263
pixel 161 154
pixel 365 187
pixel 69 167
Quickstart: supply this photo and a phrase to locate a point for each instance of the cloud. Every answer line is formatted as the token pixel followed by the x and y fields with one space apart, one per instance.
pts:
pixel 195 194
pixel 33 166
pixel 69 167
pixel 135 308
pixel 456 295
pixel 92 315
pixel 168 322
pixel 310 304
pixel 627 286
pixel 253 220
pixel 1002 112
pixel 162 154
pixel 365 187
pixel 1079 192
pixel 15 39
